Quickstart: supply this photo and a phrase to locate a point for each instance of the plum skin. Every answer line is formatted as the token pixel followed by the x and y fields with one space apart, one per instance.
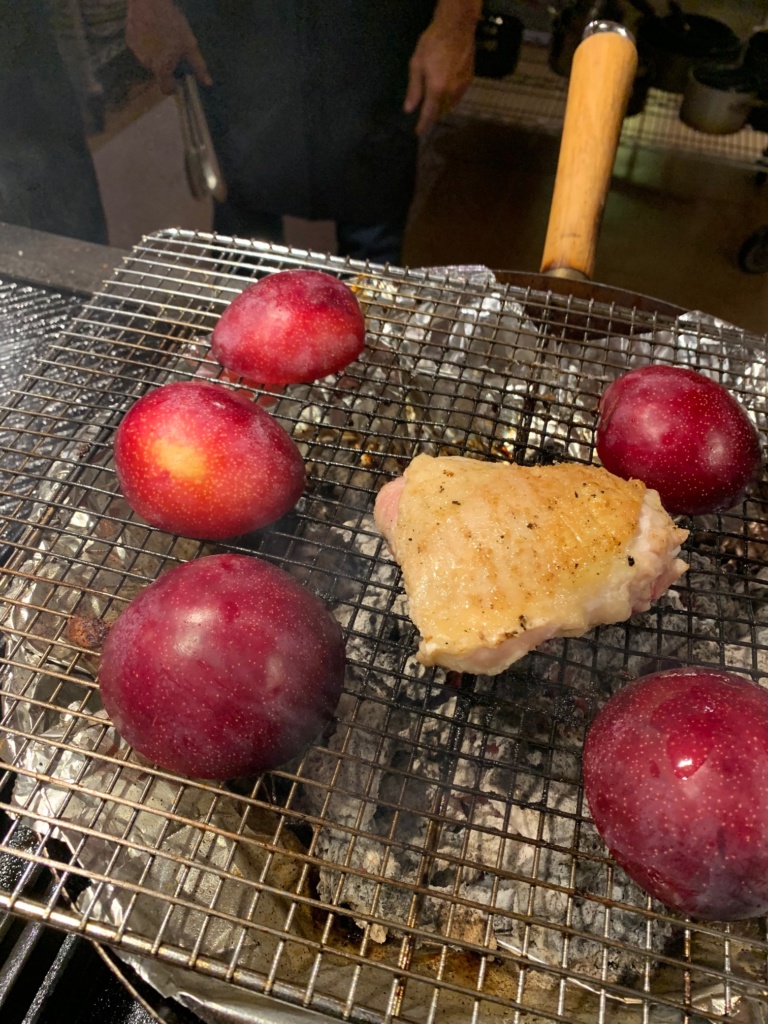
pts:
pixel 682 434
pixel 290 327
pixel 198 460
pixel 222 668
pixel 675 772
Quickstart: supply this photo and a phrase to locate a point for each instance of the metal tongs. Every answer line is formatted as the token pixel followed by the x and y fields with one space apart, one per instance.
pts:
pixel 201 163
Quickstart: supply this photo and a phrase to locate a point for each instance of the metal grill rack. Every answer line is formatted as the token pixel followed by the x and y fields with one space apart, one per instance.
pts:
pixel 534 97
pixel 431 858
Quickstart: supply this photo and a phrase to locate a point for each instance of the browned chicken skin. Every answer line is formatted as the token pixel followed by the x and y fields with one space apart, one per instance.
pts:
pixel 497 558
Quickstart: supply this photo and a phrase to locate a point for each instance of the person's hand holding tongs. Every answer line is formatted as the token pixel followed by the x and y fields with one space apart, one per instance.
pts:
pixel 159 36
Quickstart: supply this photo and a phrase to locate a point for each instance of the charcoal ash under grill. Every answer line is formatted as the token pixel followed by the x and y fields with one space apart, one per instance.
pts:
pixel 502 774
pixel 442 813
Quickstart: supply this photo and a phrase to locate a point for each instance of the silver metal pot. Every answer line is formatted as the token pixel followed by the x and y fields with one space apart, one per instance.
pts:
pixel 718 102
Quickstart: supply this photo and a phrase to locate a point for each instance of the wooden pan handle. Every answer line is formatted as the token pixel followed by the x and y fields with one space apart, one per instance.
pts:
pixel 602 74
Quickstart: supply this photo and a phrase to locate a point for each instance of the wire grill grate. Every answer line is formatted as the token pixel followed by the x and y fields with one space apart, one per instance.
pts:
pixel 432 857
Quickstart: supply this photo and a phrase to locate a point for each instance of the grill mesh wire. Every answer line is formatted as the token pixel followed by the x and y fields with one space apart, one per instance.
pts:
pixel 402 788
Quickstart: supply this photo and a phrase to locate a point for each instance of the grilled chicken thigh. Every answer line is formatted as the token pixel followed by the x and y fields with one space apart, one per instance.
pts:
pixel 497 558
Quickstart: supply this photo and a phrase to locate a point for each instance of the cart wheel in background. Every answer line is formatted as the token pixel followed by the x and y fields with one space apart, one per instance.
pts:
pixel 753 255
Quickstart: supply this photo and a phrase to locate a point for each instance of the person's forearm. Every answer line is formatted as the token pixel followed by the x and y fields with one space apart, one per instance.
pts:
pixel 441 67
pixel 458 12
pixel 132 6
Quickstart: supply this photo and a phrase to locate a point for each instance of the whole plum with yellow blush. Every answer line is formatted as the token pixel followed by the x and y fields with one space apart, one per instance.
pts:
pixel 196 459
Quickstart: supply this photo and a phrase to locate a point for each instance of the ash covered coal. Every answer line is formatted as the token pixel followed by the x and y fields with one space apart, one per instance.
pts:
pixel 465 820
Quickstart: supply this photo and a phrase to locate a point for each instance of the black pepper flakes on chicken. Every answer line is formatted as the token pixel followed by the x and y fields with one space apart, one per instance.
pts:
pixel 602 549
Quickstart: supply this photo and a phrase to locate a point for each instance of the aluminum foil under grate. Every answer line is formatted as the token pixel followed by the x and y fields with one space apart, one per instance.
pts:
pixel 431 858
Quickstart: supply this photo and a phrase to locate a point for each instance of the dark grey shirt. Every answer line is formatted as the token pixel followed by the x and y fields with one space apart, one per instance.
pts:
pixel 306 109
pixel 47 178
